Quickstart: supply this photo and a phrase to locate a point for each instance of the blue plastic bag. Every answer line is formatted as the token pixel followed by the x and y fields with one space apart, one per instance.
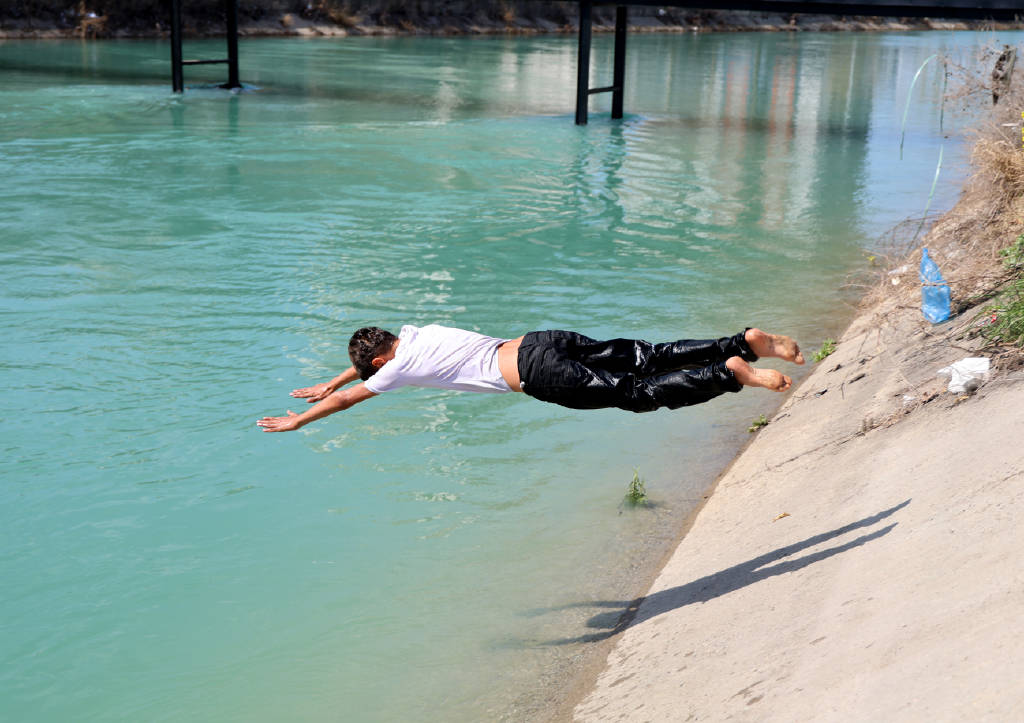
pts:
pixel 934 291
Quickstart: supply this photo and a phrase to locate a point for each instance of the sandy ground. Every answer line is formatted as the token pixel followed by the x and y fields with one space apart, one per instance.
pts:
pixel 859 561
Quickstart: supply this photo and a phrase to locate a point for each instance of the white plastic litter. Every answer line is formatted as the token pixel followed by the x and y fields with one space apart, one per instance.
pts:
pixel 966 374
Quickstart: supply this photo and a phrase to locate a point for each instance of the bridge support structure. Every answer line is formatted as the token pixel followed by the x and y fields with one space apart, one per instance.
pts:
pixel 617 88
pixel 177 63
pixel 1009 10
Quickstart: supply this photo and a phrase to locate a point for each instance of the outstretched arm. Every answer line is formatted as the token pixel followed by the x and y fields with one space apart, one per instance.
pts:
pixel 336 402
pixel 318 392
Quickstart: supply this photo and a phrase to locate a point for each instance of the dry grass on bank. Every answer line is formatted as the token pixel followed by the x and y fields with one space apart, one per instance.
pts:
pixel 974 242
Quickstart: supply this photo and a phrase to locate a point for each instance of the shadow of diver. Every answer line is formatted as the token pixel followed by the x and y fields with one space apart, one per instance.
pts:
pixel 625 613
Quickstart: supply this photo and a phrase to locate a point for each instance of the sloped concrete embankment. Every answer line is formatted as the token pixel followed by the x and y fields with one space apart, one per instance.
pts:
pixel 860 560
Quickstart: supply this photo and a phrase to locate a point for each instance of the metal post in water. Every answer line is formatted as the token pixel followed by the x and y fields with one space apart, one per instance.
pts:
pixel 619 78
pixel 231 13
pixel 583 65
pixel 177 81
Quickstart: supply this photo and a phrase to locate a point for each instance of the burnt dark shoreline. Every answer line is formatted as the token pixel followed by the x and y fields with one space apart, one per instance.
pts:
pixel 46 20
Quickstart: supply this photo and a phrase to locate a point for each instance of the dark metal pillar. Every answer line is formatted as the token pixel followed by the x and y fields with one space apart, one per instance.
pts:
pixel 177 81
pixel 231 11
pixel 619 78
pixel 583 65
pixel 177 63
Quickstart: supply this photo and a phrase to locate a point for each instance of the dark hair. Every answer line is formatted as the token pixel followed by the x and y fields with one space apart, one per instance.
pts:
pixel 367 343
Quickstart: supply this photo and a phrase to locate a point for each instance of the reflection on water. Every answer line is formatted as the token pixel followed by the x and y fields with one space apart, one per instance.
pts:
pixel 174 265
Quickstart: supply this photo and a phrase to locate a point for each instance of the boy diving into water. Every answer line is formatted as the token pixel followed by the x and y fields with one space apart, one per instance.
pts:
pixel 561 367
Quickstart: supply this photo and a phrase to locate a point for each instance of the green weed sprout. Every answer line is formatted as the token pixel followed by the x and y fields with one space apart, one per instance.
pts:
pixel 636 494
pixel 1007 326
pixel 1013 256
pixel 1007 313
pixel 761 421
pixel 827 347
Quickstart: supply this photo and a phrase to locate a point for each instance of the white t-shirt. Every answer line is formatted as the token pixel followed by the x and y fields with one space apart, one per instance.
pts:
pixel 442 357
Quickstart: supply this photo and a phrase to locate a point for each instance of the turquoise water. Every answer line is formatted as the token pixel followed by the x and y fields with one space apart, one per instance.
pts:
pixel 174 265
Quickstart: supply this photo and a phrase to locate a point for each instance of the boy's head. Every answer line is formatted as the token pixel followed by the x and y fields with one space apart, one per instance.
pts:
pixel 368 344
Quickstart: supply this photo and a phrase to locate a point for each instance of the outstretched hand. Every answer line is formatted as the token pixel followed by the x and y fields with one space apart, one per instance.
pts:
pixel 314 393
pixel 279 424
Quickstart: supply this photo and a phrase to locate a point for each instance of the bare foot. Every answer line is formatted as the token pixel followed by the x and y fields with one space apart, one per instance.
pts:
pixel 776 345
pixel 748 376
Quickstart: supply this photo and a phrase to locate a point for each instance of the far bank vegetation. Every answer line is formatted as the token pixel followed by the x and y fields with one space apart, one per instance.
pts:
pixel 151 18
pixel 103 17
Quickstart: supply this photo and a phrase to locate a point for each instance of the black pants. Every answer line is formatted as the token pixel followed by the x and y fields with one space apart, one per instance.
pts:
pixel 575 371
